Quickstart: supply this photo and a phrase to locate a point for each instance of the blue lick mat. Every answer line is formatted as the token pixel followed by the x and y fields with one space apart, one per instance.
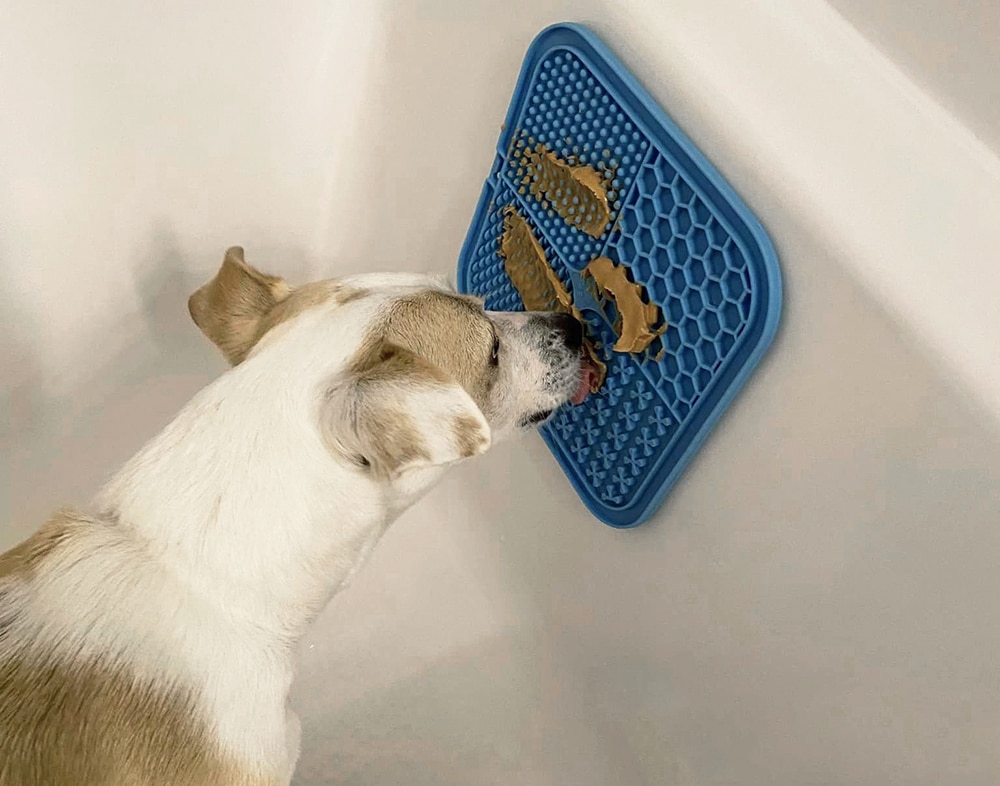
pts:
pixel 684 235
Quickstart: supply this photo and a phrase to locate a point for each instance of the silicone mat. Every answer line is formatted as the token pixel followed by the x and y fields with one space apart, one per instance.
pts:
pixel 683 234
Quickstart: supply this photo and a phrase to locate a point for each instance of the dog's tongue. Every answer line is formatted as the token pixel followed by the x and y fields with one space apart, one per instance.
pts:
pixel 588 374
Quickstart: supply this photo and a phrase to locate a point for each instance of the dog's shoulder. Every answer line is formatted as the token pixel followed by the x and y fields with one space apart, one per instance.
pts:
pixel 73 714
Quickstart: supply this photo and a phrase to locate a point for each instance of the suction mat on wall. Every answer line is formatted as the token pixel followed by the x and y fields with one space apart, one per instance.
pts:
pixel 593 168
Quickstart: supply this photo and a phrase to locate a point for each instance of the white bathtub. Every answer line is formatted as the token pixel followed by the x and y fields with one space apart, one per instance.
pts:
pixel 818 601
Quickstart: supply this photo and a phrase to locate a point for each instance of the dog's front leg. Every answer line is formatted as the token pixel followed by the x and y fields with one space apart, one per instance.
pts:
pixel 293 742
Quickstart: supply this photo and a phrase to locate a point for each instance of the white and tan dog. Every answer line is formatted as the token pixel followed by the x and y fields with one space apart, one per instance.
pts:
pixel 152 640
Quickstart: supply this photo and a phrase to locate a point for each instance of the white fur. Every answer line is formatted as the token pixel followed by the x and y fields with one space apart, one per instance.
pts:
pixel 226 534
pixel 258 522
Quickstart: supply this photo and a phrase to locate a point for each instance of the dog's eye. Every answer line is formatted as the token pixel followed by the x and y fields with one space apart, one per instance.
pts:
pixel 534 420
pixel 495 355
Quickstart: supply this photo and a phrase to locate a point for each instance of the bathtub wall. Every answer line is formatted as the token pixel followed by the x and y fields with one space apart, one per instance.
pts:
pixel 816 602
pixel 948 49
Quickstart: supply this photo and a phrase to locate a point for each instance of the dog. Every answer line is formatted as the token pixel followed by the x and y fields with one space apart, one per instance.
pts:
pixel 152 639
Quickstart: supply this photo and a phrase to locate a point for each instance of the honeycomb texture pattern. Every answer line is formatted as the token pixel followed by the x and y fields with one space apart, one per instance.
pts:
pixel 692 267
pixel 680 238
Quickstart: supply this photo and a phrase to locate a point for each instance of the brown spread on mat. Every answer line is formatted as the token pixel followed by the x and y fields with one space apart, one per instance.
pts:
pixel 636 317
pixel 533 277
pixel 577 193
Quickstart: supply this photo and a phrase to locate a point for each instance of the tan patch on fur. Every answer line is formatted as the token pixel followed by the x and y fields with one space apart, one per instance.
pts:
pixel 430 338
pixel 229 308
pixel 469 437
pixel 450 333
pixel 66 723
pixel 399 442
pixel 20 562
pixel 390 438
pixel 349 295
pixel 381 360
pixel 241 304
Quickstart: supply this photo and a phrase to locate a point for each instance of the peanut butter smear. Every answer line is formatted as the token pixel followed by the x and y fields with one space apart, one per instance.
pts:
pixel 529 268
pixel 636 318
pixel 577 193
pixel 540 288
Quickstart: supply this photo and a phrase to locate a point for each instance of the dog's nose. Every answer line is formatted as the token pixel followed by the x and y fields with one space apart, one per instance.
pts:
pixel 570 329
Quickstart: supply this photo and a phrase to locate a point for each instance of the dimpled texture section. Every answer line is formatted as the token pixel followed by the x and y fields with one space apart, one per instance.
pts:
pixel 485 274
pixel 569 111
pixel 614 438
pixel 683 235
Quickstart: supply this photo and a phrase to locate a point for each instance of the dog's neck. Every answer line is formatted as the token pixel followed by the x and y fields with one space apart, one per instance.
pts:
pixel 240 499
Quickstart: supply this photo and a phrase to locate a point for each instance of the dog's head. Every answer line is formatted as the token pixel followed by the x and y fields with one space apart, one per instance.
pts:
pixel 408 373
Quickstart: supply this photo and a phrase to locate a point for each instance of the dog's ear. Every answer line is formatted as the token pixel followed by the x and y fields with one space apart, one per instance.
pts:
pixel 393 412
pixel 231 307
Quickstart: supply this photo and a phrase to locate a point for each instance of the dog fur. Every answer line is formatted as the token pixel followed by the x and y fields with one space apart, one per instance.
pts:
pixel 151 639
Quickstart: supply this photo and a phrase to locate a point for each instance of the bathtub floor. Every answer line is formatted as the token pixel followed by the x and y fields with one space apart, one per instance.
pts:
pixel 811 605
